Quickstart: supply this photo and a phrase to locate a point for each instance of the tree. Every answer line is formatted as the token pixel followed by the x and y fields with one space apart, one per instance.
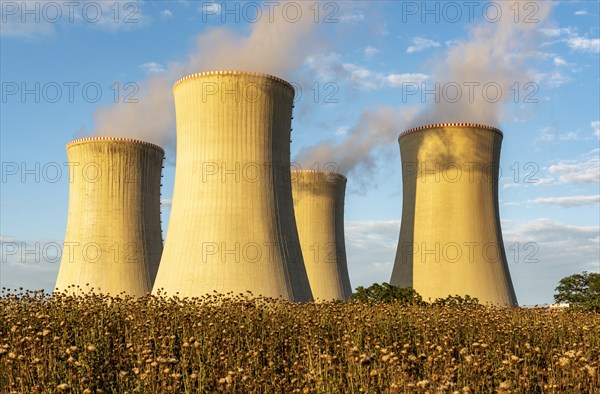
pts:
pixel 456 300
pixel 581 291
pixel 386 293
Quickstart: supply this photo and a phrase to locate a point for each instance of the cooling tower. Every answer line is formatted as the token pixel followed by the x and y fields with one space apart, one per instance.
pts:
pixel 113 240
pixel 450 237
pixel 319 208
pixel 232 225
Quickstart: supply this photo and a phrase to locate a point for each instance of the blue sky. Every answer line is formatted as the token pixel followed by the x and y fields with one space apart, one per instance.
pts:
pixel 63 69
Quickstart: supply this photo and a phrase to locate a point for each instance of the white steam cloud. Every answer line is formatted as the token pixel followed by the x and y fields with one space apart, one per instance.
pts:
pixel 275 45
pixel 374 129
pixel 489 68
pixel 495 53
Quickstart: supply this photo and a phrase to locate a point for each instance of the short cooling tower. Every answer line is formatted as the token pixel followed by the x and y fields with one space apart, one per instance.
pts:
pixel 113 241
pixel 319 208
pixel 450 236
pixel 232 225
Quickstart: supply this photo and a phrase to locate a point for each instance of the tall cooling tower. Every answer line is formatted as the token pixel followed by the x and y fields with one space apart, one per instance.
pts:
pixel 450 237
pixel 232 225
pixel 319 208
pixel 113 241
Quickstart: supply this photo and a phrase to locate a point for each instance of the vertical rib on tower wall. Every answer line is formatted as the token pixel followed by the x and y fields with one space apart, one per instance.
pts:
pixel 450 236
pixel 113 240
pixel 319 208
pixel 232 225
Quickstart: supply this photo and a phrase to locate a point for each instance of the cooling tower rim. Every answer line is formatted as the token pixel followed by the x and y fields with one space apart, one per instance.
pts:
pixel 232 72
pixel 438 125
pixel 328 173
pixel 114 139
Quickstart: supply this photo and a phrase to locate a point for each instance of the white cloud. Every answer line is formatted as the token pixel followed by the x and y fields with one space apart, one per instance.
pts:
pixel 572 39
pixel 371 51
pixel 164 14
pixel 557 32
pixel 585 170
pixel 541 252
pixel 596 126
pixel 371 249
pixel 552 79
pixel 570 136
pixel 330 67
pixel 568 201
pixel 420 44
pixel 31 265
pixel 547 134
pixel 511 186
pixel 356 16
pixel 42 20
pixel 211 8
pixel 582 44
pixel 342 130
pixel 559 61
pixel 166 202
pixel 398 80
pixel 153 67
pixel 581 12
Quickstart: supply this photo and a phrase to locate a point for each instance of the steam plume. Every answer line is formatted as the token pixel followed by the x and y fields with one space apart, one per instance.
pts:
pixel 374 129
pixel 276 46
pixel 494 53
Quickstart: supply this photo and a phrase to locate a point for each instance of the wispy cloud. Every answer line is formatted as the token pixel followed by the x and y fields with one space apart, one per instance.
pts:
pixel 420 43
pixel 342 130
pixel 552 79
pixel 568 201
pixel 330 67
pixel 549 134
pixel 540 252
pixel 107 15
pixel 371 248
pixel 581 12
pixel 370 52
pixel 153 67
pixel 557 32
pixel 585 170
pixel 570 136
pixel 354 16
pixel 212 8
pixel 165 14
pixel 582 44
pixel 559 61
pixel 596 126
pixel 30 264
pixel 573 40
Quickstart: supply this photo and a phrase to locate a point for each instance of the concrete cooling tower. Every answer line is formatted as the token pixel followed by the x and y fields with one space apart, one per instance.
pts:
pixel 319 208
pixel 232 225
pixel 113 241
pixel 450 237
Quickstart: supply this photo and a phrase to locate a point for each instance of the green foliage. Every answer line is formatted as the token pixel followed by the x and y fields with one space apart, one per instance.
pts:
pixel 456 300
pixel 387 293
pixel 581 291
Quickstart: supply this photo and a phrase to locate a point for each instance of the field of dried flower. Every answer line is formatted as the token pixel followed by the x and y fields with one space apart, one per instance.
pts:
pixel 94 344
